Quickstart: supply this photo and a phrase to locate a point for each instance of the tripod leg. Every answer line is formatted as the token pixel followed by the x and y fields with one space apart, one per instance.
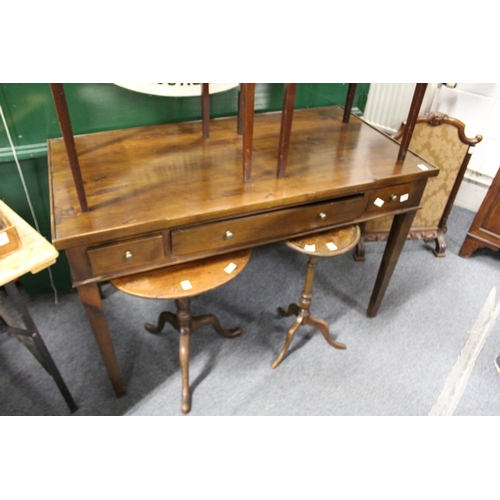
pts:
pixel 293 310
pixel 210 319
pixel 322 326
pixel 164 317
pixel 289 336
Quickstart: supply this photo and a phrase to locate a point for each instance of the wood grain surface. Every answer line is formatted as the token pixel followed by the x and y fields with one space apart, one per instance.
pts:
pixel 152 178
pixel 34 255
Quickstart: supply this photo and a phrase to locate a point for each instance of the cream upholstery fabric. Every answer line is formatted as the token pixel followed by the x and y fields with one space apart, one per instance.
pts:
pixel 441 146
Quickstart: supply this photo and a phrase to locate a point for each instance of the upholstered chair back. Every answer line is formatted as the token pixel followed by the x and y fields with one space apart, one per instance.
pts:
pixel 441 141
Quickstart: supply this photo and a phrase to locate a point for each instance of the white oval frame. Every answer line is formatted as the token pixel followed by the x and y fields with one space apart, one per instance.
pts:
pixel 176 89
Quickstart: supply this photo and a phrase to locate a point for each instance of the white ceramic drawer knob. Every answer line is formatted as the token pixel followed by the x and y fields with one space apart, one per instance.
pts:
pixel 128 255
pixel 229 235
pixel 322 215
pixel 392 197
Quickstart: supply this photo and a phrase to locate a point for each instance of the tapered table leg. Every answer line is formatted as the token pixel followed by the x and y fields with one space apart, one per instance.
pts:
pixel 397 237
pixel 91 300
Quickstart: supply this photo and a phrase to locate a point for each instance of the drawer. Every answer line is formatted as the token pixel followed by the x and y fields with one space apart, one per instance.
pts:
pixel 271 226
pixel 393 198
pixel 126 254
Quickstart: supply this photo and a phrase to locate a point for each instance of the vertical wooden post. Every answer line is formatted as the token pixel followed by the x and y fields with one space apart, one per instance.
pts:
pixel 69 141
pixel 286 126
pixel 240 106
pixel 418 97
pixel 248 103
pixel 205 109
pixel 351 91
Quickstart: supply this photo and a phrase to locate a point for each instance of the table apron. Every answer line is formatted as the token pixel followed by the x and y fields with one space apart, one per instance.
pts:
pixel 176 245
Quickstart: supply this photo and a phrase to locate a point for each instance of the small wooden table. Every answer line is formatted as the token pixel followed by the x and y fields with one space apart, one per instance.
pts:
pixel 162 195
pixel 182 283
pixel 34 255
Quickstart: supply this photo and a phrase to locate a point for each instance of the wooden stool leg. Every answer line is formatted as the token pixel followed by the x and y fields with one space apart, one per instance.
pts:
pixel 164 317
pixel 293 310
pixel 301 312
pixel 289 336
pixel 324 328
pixel 184 362
pixel 305 303
pixel 305 299
pixel 303 315
pixel 186 324
pixel 183 323
pixel 185 329
pixel 359 253
pixel 210 319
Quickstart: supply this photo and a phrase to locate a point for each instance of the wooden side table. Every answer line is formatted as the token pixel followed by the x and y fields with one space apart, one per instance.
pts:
pixel 327 244
pixel 181 283
pixel 34 255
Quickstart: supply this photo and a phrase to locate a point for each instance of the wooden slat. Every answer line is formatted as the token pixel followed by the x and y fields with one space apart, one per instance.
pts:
pixel 351 92
pixel 416 103
pixel 67 132
pixel 205 109
pixel 239 124
pixel 286 126
pixel 248 102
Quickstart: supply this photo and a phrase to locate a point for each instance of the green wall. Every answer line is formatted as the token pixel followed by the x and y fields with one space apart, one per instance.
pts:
pixel 31 118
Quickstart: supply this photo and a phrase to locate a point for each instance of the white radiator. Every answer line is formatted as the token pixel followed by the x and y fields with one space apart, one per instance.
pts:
pixel 388 104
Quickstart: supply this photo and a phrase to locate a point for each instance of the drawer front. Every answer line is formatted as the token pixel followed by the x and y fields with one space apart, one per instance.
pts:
pixel 393 198
pixel 271 226
pixel 126 255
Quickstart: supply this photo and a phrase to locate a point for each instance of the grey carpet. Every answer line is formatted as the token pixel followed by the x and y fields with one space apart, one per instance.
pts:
pixel 395 364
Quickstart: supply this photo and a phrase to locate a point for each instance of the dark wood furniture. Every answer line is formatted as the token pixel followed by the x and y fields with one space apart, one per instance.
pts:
pixel 163 195
pixel 289 93
pixel 327 244
pixel 181 283
pixel 33 254
pixel 244 126
pixel 440 140
pixel 484 231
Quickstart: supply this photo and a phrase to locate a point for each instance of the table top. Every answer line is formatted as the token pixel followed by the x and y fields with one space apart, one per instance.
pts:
pixel 35 254
pixel 159 177
pixel 328 243
pixel 185 280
